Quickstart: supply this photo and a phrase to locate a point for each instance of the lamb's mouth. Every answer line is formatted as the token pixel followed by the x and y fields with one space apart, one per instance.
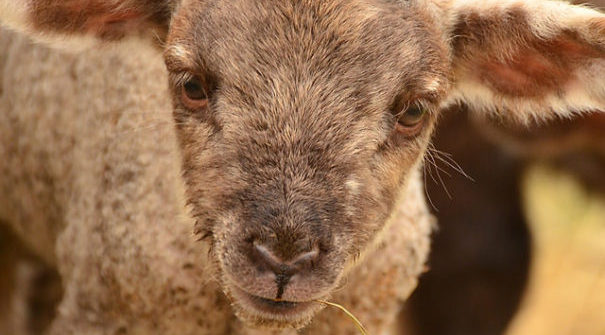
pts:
pixel 273 313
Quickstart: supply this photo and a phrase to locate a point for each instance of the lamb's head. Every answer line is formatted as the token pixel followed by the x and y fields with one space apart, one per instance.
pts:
pixel 294 153
pixel 301 121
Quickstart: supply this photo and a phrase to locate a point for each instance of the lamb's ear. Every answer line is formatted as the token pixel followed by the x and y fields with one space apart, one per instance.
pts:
pixel 527 59
pixel 105 19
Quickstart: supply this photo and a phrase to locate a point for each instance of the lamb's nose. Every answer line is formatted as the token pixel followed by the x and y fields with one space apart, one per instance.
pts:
pixel 284 268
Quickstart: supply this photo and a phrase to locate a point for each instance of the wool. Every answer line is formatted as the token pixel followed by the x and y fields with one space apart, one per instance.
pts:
pixel 98 161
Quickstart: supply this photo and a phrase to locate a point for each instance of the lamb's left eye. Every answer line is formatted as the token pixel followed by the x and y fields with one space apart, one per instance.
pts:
pixel 194 89
pixel 411 117
pixel 411 120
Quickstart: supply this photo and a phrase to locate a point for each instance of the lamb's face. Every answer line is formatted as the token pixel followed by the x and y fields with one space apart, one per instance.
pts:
pixel 299 124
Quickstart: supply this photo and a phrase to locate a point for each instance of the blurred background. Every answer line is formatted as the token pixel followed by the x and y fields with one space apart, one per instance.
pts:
pixel 520 248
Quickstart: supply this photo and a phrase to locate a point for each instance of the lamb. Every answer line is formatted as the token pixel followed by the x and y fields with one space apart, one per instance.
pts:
pixel 290 135
pixel 127 176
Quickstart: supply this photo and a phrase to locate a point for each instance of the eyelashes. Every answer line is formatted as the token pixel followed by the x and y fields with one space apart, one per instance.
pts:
pixel 194 91
pixel 410 117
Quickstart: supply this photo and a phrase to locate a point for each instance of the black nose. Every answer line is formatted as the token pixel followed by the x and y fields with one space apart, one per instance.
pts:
pixel 284 267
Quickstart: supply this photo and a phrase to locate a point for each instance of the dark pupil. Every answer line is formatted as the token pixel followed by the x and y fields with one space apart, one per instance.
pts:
pixel 412 116
pixel 194 90
pixel 414 112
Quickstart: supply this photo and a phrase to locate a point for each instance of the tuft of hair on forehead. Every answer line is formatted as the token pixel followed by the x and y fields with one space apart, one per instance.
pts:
pixel 179 57
pixel 313 33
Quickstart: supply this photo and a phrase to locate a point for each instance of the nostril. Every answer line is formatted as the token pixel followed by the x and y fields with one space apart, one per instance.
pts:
pixel 268 257
pixel 306 257
pixel 283 270
pixel 276 264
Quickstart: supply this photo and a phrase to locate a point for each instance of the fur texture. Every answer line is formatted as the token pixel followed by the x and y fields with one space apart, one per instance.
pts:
pixel 300 126
pixel 107 177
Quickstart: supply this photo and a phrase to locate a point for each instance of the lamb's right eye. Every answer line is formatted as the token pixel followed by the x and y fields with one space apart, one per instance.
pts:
pixel 194 89
pixel 194 93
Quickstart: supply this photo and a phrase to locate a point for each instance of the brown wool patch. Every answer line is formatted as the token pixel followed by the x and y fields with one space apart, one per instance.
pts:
pixel 541 67
pixel 107 20
pixel 537 67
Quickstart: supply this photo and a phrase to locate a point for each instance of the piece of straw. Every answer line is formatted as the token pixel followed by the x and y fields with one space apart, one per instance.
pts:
pixel 358 324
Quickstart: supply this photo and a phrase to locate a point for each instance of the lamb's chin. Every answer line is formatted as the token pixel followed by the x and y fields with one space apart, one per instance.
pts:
pixel 265 313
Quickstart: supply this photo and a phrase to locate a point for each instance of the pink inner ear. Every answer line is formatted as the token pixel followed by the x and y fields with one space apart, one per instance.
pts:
pixel 114 24
pixel 539 68
pixel 100 17
pixel 115 17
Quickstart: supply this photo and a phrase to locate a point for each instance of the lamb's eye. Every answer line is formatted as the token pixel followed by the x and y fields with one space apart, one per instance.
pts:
pixel 411 120
pixel 412 116
pixel 194 90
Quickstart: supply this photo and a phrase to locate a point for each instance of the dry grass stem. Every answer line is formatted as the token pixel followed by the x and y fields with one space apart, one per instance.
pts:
pixel 358 324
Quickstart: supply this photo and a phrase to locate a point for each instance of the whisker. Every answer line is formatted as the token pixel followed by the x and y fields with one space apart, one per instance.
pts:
pixel 448 159
pixel 426 191
pixel 431 155
pixel 437 169
pixel 431 162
